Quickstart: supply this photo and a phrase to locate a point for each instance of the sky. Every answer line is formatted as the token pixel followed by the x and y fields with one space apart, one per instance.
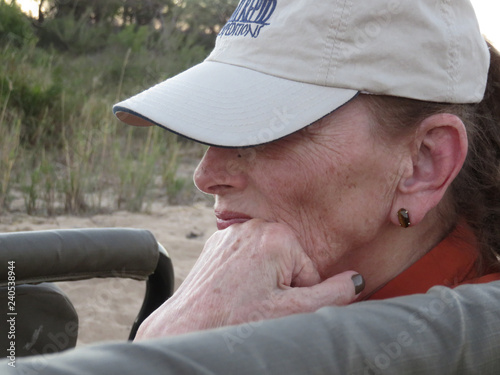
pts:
pixel 487 12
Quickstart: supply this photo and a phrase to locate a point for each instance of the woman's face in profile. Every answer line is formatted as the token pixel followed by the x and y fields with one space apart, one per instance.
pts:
pixel 333 183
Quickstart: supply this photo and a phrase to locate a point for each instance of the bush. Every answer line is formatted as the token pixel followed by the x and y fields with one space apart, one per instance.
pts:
pixel 74 35
pixel 32 93
pixel 61 148
pixel 135 38
pixel 15 27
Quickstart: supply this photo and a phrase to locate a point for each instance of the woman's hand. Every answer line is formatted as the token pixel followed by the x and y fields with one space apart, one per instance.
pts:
pixel 247 272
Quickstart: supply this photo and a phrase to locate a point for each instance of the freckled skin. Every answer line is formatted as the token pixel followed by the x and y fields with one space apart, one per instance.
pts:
pixel 332 183
pixel 234 284
pixel 301 216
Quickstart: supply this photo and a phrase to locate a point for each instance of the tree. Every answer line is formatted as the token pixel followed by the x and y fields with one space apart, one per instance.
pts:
pixel 78 24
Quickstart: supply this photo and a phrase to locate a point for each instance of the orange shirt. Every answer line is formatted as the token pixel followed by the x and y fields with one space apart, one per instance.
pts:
pixel 451 263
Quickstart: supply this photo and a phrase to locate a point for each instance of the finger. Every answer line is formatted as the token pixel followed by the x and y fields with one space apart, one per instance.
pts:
pixel 338 290
pixel 305 273
pixel 298 267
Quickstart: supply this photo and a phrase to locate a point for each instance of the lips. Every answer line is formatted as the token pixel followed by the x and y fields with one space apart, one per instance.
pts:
pixel 227 218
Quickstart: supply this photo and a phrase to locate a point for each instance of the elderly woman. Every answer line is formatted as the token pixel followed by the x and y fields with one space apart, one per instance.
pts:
pixel 346 139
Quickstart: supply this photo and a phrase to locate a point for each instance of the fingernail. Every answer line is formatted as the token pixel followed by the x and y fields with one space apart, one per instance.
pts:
pixel 359 283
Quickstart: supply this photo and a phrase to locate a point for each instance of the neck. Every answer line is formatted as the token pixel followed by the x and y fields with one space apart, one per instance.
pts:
pixel 393 252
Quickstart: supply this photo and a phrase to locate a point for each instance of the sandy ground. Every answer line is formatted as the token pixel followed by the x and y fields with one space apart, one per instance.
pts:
pixel 107 307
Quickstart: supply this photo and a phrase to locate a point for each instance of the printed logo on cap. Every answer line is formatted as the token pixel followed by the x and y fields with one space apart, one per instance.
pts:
pixel 249 18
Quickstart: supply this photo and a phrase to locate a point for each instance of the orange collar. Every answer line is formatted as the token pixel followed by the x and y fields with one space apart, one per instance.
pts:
pixel 450 263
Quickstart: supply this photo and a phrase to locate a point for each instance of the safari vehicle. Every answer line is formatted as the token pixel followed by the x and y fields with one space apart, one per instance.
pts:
pixel 40 317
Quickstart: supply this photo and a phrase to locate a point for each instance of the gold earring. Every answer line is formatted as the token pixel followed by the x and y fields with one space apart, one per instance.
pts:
pixel 404 218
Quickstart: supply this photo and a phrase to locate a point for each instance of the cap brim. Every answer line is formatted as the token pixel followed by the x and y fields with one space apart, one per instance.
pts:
pixel 229 106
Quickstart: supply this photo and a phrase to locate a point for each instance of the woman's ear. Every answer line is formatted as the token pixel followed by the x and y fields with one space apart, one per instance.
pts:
pixel 439 149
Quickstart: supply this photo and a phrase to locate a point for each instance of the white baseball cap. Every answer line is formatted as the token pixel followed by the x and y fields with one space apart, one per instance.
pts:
pixel 280 65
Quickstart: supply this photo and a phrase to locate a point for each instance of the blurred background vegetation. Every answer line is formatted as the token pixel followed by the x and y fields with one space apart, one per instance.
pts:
pixel 61 70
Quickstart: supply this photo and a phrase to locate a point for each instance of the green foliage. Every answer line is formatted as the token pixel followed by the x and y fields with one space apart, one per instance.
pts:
pixel 135 38
pixel 205 18
pixel 8 156
pixel 72 34
pixel 94 11
pixel 61 149
pixel 32 92
pixel 82 26
pixel 15 27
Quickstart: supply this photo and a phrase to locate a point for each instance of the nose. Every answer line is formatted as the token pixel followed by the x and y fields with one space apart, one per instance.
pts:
pixel 221 171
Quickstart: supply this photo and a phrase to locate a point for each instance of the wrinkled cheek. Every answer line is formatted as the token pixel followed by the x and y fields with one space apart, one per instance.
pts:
pixel 298 198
